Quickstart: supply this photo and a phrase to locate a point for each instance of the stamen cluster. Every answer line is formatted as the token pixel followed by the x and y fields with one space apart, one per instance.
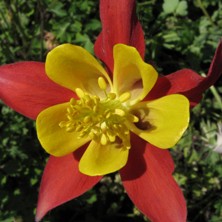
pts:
pixel 102 119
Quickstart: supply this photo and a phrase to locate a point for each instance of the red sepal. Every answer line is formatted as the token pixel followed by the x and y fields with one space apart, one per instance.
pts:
pixel 119 25
pixel 148 180
pixel 183 81
pixel 26 88
pixel 188 82
pixel 62 182
pixel 215 70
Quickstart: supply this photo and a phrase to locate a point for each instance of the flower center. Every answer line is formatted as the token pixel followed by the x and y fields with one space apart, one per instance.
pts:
pixel 101 119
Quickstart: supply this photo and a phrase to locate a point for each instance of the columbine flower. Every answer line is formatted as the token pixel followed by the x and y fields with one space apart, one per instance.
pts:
pixel 106 112
pixel 25 87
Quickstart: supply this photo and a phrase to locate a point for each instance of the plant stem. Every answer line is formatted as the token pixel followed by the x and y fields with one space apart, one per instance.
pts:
pixel 215 93
pixel 205 12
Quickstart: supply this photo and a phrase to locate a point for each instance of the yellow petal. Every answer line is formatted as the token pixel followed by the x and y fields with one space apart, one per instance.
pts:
pixel 102 159
pixel 73 67
pixel 54 139
pixel 131 73
pixel 162 121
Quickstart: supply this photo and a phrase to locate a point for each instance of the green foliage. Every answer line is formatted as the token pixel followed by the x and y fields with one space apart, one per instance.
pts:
pixel 176 7
pixel 179 34
pixel 25 25
pixel 178 40
pixel 21 164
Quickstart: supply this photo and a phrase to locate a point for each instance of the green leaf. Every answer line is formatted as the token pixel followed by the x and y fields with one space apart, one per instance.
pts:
pixel 182 8
pixel 169 6
pixel 58 10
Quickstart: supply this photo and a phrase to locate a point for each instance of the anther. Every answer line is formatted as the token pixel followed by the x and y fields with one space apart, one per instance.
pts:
pixel 62 124
pixel 103 126
pixel 115 126
pixel 103 139
pixel 87 119
pixel 69 117
pixel 69 129
pixel 111 137
pixel 80 93
pixel 78 128
pixel 102 83
pixel 107 115
pixel 128 146
pixel 92 135
pixel 69 110
pixel 124 97
pixel 120 112
pixel 83 133
pixel 68 124
pixel 133 118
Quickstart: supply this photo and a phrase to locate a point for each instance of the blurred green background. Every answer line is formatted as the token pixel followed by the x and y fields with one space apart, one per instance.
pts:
pixel 178 34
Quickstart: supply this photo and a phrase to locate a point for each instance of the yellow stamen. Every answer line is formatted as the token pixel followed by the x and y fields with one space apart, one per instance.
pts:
pixel 133 118
pixel 87 119
pixel 120 112
pixel 124 97
pixel 104 126
pixel 102 83
pixel 80 93
pixel 111 137
pixel 103 120
pixel 103 140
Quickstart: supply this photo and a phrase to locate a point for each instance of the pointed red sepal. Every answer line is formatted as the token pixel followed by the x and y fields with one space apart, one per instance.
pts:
pixel 215 70
pixel 188 82
pixel 62 182
pixel 148 180
pixel 119 25
pixel 183 81
pixel 26 88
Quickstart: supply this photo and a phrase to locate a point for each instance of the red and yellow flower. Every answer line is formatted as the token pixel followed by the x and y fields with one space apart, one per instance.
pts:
pixel 95 120
pixel 106 112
